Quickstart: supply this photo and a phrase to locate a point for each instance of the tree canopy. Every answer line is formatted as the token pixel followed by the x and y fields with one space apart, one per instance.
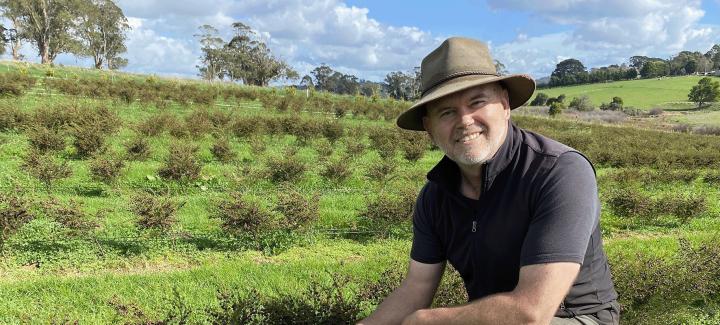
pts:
pixel 707 90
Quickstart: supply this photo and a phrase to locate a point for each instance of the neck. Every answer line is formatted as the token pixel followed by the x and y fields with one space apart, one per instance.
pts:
pixel 471 180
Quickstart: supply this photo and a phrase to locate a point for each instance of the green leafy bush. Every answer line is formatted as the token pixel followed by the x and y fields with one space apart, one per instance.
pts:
pixel 14 213
pixel 299 211
pixel 241 216
pixel 182 163
pixel 12 118
pixel 138 148
pixel 286 168
pixel 70 215
pixel 222 151
pixel 155 212
pixel 337 170
pixel 45 140
pixel 390 208
pixel 106 168
pixel 45 168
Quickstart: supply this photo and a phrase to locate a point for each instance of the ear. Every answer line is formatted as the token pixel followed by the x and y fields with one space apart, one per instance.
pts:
pixel 506 102
pixel 426 126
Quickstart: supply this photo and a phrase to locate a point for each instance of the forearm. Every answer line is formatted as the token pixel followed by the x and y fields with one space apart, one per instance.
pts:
pixel 502 308
pixel 402 302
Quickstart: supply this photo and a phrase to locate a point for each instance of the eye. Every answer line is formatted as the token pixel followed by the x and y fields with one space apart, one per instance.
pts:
pixel 477 103
pixel 446 113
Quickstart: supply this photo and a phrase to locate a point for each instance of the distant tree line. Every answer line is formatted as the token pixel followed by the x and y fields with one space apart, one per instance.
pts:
pixel 85 28
pixel 573 72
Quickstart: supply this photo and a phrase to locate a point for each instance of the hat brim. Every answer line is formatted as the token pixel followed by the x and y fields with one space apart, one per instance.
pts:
pixel 520 88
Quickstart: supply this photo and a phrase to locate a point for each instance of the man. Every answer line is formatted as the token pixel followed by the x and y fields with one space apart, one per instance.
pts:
pixel 514 212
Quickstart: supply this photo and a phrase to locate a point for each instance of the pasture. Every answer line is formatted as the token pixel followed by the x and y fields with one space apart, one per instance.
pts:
pixel 134 199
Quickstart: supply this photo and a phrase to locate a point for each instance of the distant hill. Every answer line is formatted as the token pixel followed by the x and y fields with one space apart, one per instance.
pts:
pixel 668 92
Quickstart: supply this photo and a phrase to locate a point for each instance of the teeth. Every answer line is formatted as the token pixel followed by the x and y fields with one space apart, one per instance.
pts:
pixel 469 137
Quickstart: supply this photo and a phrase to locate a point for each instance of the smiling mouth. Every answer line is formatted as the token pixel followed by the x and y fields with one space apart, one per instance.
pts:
pixel 469 137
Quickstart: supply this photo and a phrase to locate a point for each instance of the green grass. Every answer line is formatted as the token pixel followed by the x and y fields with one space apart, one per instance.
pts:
pixel 46 271
pixel 668 93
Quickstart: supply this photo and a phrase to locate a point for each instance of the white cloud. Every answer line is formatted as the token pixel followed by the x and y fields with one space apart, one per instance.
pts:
pixel 305 34
pixel 613 29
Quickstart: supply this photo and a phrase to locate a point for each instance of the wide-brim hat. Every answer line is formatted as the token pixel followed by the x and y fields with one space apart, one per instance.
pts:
pixel 458 64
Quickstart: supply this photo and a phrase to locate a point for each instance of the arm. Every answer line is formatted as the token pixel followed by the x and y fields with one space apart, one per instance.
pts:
pixel 540 290
pixel 415 292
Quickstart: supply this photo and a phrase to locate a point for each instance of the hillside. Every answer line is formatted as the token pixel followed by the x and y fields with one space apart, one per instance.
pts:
pixel 143 200
pixel 666 93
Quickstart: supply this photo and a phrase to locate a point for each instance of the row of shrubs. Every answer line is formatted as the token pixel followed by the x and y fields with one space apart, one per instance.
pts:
pixel 654 176
pixel 677 289
pixel 240 215
pixel 632 203
pixel 162 92
pixel 629 147
pixel 15 84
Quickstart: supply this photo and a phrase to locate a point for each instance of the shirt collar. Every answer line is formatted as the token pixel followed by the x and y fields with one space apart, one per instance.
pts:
pixel 447 173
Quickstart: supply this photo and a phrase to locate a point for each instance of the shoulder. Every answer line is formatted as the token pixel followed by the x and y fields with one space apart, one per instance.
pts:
pixel 543 145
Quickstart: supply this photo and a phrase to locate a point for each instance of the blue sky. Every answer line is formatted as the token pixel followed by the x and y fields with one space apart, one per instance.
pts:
pixel 370 38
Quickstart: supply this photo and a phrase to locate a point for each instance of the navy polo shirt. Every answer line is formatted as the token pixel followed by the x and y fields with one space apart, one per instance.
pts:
pixel 539 204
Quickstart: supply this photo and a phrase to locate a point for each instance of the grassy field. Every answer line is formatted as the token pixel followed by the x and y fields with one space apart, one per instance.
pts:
pixel 667 93
pixel 660 218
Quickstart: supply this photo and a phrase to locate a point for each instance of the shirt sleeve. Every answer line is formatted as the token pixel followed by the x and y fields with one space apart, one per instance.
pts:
pixel 426 245
pixel 565 213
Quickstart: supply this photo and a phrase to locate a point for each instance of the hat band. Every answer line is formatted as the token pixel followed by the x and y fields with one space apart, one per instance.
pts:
pixel 457 75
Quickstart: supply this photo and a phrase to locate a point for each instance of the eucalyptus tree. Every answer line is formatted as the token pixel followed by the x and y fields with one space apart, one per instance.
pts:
pixel 102 29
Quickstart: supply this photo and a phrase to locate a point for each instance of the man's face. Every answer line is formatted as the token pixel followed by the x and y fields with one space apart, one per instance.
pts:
pixel 470 125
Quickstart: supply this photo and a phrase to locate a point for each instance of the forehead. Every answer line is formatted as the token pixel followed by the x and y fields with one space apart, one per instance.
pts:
pixel 487 90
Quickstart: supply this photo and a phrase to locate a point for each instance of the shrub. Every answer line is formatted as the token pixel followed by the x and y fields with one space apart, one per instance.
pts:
pixel 14 213
pixel 155 212
pixel 332 130
pixel 337 170
pixel 382 170
pixel 581 103
pixel 354 147
pixel 181 163
pixel 384 141
pixel 45 168
pixel 45 140
pixel 222 151
pixel 414 146
pixel 90 128
pixel 257 145
pixel 138 148
pixel 298 210
pixel 156 124
pixel 88 139
pixel 245 127
pixel 682 206
pixel 55 117
pixel 106 169
pixel 240 216
pixel 70 215
pixel 706 130
pixel 199 123
pixel 390 208
pixel 556 109
pixel 540 99
pixel 656 111
pixel 287 168
pixel 630 203
pixel 323 147
pixel 11 118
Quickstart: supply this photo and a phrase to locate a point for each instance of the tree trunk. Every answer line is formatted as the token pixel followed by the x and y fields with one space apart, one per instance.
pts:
pixel 45 53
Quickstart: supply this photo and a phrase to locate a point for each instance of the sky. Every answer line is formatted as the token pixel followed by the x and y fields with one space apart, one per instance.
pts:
pixel 370 38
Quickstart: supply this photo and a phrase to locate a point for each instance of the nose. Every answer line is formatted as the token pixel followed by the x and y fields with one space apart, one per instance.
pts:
pixel 466 117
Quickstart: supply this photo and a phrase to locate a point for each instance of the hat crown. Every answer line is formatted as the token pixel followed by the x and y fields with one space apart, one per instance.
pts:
pixel 456 57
